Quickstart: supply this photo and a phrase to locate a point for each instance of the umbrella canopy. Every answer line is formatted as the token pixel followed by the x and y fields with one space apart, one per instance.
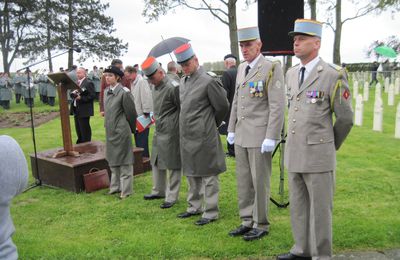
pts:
pixel 386 51
pixel 167 46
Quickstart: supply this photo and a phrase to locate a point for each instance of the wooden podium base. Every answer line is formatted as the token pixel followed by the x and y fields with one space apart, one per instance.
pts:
pixel 67 172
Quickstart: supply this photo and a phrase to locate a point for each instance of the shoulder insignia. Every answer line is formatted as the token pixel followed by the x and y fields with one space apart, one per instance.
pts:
pixel 126 89
pixel 335 67
pixel 174 83
pixel 212 74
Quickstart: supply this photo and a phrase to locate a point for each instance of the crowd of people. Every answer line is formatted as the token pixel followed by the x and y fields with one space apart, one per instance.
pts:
pixel 191 112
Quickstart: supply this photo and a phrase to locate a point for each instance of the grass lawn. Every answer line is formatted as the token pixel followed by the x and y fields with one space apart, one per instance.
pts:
pixel 56 224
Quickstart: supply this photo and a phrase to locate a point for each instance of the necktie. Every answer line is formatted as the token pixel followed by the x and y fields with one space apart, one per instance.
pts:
pixel 302 70
pixel 247 70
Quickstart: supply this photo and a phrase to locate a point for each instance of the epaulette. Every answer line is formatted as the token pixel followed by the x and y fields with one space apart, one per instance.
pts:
pixel 212 74
pixel 126 89
pixel 293 67
pixel 174 83
pixel 335 67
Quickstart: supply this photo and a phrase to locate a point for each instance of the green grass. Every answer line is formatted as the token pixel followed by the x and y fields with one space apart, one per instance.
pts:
pixel 56 224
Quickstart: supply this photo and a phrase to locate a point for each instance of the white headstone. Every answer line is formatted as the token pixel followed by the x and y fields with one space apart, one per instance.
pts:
pixel 378 90
pixel 355 89
pixel 391 95
pixel 366 91
pixel 387 82
pixel 378 115
pixel 397 131
pixel 359 110
pixel 397 86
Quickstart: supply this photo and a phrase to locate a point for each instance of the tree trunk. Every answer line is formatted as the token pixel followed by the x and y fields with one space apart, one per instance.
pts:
pixel 338 33
pixel 5 33
pixel 70 35
pixel 233 29
pixel 48 36
pixel 313 7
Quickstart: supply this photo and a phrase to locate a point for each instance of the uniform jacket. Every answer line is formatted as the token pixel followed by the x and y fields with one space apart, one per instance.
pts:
pixel 203 107
pixel 312 137
pixel 229 83
pixel 142 95
pixel 103 85
pixel 84 106
pixel 165 152
pixel 120 122
pixel 255 117
pixel 173 76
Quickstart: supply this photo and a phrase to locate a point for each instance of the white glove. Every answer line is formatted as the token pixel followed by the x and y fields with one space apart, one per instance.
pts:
pixel 230 138
pixel 268 145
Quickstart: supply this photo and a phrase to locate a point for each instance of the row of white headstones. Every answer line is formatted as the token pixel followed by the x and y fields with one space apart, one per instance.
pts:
pixel 392 89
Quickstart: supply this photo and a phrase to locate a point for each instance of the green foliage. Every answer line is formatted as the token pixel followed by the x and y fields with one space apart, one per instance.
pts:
pixel 56 224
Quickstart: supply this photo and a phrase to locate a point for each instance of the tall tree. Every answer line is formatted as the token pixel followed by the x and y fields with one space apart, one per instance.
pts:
pixel 15 33
pixel 224 11
pixel 89 28
pixel 313 8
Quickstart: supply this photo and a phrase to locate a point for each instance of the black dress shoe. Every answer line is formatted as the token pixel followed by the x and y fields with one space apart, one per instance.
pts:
pixel 167 205
pixel 241 230
pixel 187 214
pixel 152 197
pixel 204 221
pixel 290 256
pixel 254 234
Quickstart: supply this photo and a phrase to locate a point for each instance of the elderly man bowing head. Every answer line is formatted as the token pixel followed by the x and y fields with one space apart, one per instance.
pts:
pixel 203 107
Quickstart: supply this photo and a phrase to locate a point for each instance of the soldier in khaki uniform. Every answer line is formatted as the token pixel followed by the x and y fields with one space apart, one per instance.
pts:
pixel 316 91
pixel 255 127
pixel 203 107
pixel 165 154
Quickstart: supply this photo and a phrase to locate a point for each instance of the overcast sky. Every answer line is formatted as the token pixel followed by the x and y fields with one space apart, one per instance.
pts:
pixel 210 38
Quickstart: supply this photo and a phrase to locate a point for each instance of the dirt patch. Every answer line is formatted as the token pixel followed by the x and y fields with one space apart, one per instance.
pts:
pixel 23 119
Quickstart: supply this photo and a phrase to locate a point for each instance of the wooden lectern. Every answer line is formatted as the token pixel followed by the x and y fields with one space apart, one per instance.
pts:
pixel 64 82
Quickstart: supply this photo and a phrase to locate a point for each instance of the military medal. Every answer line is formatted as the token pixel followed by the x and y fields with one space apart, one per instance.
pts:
pixel 313 100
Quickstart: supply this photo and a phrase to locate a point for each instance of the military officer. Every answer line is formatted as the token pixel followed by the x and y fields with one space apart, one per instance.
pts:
pixel 120 122
pixel 316 91
pixel 17 80
pixel 29 90
pixel 95 77
pixel 203 107
pixel 165 152
pixel 41 81
pixel 255 127
pixel 5 91
pixel 51 92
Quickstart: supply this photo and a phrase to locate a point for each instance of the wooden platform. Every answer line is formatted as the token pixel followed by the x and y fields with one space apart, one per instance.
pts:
pixel 67 172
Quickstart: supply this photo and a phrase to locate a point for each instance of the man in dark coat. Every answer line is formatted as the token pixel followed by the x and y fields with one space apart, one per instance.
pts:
pixel 82 106
pixel 203 107
pixel 229 82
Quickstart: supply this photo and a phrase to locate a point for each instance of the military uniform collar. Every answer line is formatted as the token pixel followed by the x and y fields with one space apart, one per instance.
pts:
pixel 254 62
pixel 310 66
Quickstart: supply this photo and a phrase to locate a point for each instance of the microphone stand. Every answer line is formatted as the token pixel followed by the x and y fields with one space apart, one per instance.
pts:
pixel 38 181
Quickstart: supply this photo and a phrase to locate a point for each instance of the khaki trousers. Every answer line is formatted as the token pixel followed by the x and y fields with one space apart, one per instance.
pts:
pixel 311 203
pixel 168 187
pixel 122 179
pixel 253 174
pixel 203 190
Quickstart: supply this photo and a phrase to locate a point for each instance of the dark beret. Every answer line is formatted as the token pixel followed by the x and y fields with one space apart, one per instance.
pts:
pixel 114 70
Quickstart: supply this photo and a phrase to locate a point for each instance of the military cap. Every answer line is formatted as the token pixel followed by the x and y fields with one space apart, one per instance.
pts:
pixel 184 53
pixel 307 27
pixel 116 61
pixel 248 34
pixel 115 70
pixel 150 66
pixel 230 56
